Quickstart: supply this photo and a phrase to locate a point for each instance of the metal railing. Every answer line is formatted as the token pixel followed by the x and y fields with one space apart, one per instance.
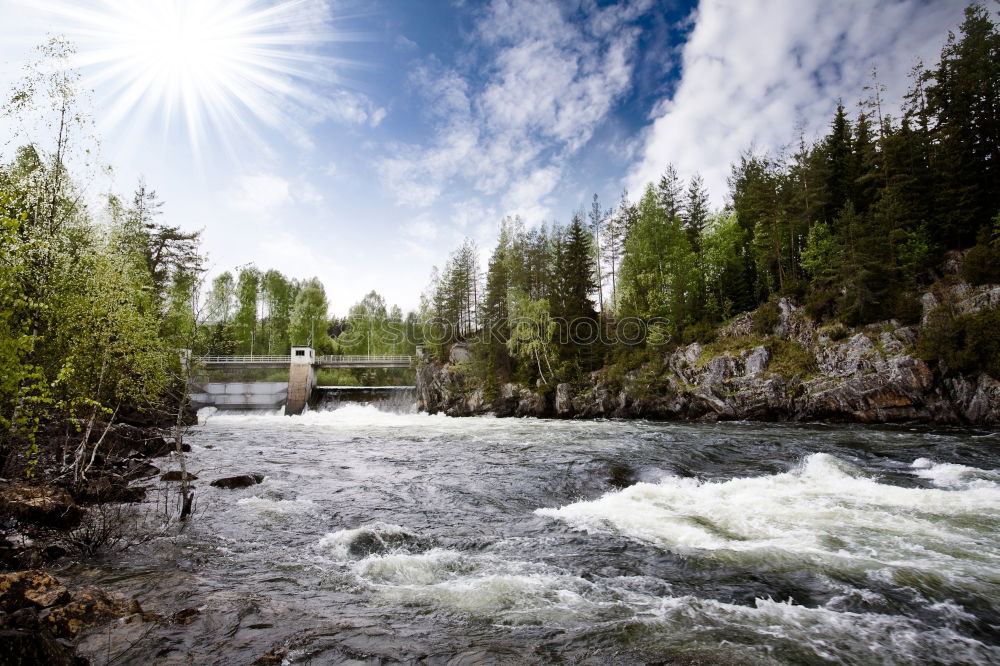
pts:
pixel 328 359
pixel 360 358
pixel 215 360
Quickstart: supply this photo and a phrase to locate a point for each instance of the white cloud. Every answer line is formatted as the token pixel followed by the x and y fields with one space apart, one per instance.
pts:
pixel 342 106
pixel 307 193
pixel 507 130
pixel 754 70
pixel 526 197
pixel 403 43
pixel 260 193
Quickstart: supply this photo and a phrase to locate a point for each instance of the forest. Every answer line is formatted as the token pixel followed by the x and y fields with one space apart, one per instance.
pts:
pixel 96 302
pixel 853 226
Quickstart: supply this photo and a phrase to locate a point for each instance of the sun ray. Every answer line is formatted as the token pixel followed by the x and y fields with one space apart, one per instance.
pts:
pixel 208 67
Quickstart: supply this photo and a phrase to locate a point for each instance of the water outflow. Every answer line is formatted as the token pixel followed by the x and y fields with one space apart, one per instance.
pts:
pixel 381 537
pixel 392 399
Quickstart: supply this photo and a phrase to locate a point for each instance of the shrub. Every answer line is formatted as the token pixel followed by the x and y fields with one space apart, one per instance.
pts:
pixel 766 318
pixel 966 343
pixel 838 332
pixel 820 302
pixel 703 332
pixel 791 359
pixel 982 265
pixel 906 308
pixel 796 289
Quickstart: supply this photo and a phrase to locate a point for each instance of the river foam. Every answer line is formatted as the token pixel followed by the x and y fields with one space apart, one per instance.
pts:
pixel 826 511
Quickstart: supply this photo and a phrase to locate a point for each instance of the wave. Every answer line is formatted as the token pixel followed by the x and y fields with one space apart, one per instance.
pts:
pixel 952 475
pixel 826 511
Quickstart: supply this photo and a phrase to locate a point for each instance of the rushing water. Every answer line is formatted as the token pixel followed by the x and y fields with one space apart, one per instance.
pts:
pixel 383 537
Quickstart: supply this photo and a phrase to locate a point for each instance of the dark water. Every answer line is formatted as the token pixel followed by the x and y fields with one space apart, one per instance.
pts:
pixel 406 538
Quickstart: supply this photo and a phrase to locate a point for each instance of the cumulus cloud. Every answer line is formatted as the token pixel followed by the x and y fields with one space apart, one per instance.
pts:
pixel 550 81
pixel 260 193
pixel 755 70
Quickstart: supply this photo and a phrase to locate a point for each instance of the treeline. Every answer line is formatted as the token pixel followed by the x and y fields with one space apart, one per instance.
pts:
pixel 264 312
pixel 852 226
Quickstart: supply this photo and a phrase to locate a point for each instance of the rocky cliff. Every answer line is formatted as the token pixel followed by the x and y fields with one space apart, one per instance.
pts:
pixel 801 372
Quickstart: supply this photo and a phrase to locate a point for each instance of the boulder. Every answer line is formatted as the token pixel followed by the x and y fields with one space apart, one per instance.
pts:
pixel 41 505
pixel 459 353
pixel 564 400
pixel 976 398
pixel 531 404
pixel 22 589
pixel 757 361
pixel 110 488
pixel 141 469
pixel 718 370
pixel 927 304
pixel 854 357
pixel 241 481
pixel 90 607
pixel 25 646
pixel 176 475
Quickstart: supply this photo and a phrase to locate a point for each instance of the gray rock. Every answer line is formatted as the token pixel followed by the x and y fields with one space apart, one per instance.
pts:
pixel 985 299
pixel 459 353
pixel 176 475
pixel 757 361
pixel 718 370
pixel 856 356
pixel 927 304
pixel 564 400
pixel 241 481
pixel 691 353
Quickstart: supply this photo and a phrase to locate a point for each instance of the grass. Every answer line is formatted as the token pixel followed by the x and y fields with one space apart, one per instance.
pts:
pixel 790 359
pixel 723 346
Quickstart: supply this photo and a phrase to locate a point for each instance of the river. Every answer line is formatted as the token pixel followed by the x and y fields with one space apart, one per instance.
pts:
pixel 381 537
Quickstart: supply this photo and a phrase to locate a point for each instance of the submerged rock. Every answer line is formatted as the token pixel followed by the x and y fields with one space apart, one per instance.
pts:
pixel 176 475
pixel 185 616
pixel 241 481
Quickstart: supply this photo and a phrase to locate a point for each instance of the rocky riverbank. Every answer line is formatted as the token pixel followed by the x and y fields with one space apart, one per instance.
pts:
pixel 48 520
pixel 797 371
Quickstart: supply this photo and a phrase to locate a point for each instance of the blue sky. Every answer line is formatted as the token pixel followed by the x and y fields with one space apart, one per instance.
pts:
pixel 364 140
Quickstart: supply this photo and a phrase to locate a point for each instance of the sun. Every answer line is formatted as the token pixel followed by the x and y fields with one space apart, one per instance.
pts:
pixel 206 65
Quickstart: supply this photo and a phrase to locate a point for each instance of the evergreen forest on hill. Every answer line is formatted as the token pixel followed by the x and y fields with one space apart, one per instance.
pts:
pixel 853 226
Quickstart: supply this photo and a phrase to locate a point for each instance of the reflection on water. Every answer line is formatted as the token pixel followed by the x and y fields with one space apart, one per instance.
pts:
pixel 386 537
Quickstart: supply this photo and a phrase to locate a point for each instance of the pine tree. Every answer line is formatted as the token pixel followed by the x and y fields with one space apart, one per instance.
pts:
pixel 839 165
pixel 670 193
pixel 695 210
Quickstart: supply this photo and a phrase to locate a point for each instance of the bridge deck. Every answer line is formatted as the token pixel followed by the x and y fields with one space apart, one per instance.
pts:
pixel 332 361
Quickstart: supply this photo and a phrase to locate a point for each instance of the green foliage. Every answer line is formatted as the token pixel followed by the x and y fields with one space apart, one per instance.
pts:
pixel 965 343
pixel 790 359
pixel 532 335
pixel 766 318
pixel 703 332
pixel 309 317
pixel 982 265
pixel 852 226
